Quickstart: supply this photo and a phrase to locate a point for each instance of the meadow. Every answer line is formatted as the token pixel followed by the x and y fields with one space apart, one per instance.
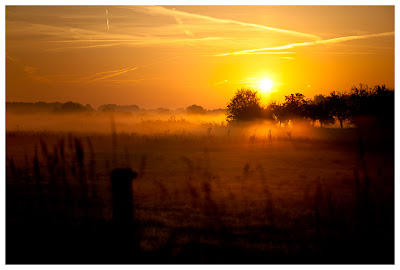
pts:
pixel 205 191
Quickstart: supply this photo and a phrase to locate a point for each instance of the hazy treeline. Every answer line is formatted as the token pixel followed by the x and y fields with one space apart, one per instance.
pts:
pixel 362 105
pixel 78 118
pixel 75 107
pixel 31 107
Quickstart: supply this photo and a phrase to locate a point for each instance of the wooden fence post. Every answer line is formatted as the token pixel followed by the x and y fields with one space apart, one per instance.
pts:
pixel 125 230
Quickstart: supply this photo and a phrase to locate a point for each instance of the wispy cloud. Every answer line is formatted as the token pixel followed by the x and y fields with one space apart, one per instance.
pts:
pixel 11 58
pixel 110 75
pixel 30 70
pixel 176 13
pixel 132 81
pixel 34 74
pixel 221 82
pixel 188 33
pixel 134 42
pixel 113 73
pixel 102 73
pixel 51 37
pixel 64 48
pixel 190 29
pixel 179 21
pixel 256 52
pixel 305 44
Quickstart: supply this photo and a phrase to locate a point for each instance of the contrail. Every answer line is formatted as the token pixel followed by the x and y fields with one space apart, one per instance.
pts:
pixel 108 76
pixel 122 71
pixel 127 42
pixel 304 44
pixel 108 22
pixel 103 72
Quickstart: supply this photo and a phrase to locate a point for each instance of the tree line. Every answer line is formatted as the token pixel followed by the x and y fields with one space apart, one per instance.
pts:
pixel 75 107
pixel 361 104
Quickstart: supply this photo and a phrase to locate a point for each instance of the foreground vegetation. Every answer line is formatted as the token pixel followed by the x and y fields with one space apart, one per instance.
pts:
pixel 215 197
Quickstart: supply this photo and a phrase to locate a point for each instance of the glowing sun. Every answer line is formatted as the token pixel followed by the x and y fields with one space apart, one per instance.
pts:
pixel 265 85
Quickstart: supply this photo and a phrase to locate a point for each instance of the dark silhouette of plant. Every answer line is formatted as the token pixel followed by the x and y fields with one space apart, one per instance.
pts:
pixel 376 104
pixel 268 112
pixel 338 105
pixel 295 106
pixel 118 108
pixel 195 109
pixel 279 113
pixel 361 100
pixel 244 106
pixel 383 100
pixel 73 107
pixel 29 107
pixel 313 112
pixel 317 110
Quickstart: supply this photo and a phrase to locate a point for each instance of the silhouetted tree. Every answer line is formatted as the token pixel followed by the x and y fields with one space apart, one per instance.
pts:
pixel 363 105
pixel 319 99
pixel 195 109
pixel 268 112
pixel 279 113
pixel 162 110
pixel 295 106
pixel 375 104
pixel 313 112
pixel 118 108
pixel 72 107
pixel 338 105
pixel 30 107
pixel 318 110
pixel 384 105
pixel 89 107
pixel 244 106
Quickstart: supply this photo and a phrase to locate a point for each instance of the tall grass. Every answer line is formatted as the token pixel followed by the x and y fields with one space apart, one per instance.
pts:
pixel 207 216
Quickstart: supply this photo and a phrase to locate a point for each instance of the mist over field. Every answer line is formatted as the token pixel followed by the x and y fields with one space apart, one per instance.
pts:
pixel 153 122
pixel 204 189
pixel 101 122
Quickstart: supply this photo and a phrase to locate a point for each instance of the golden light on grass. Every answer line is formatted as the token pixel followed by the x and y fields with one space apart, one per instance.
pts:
pixel 265 85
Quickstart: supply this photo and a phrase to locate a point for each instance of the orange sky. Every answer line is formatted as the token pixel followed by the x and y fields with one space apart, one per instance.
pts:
pixel 176 56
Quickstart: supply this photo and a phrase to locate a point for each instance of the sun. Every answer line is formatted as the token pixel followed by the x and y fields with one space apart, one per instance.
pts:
pixel 265 85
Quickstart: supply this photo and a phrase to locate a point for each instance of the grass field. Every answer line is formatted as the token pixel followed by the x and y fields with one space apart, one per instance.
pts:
pixel 204 193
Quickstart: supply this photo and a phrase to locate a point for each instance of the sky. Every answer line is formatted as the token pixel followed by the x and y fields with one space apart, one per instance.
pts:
pixel 176 56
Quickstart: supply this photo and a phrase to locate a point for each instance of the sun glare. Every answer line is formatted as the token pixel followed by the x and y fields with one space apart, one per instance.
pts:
pixel 265 85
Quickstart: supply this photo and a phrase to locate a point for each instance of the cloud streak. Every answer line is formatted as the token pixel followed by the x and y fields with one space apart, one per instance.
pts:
pixel 11 58
pixel 305 44
pixel 176 13
pixel 30 70
pixel 119 72
pixel 132 81
pixel 115 73
pixel 103 72
pixel 133 42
